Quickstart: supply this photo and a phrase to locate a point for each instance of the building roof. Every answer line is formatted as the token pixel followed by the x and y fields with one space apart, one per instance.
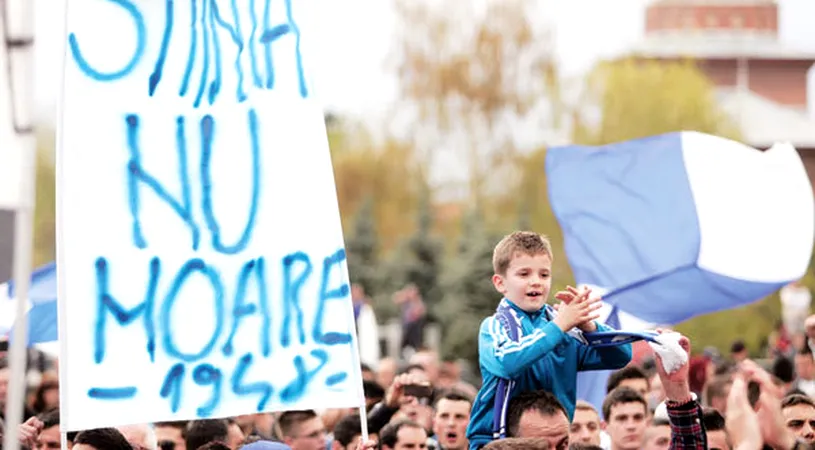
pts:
pixel 717 45
pixel 763 122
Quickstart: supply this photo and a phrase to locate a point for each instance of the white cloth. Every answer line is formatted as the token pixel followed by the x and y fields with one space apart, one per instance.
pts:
pixel 605 440
pixel 672 354
pixel 368 336
pixel 807 387
pixel 795 304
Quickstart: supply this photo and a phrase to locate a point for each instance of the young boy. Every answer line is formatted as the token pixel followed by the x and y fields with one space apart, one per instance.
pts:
pixel 526 345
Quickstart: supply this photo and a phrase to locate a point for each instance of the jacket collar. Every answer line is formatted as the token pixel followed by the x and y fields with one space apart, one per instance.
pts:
pixel 547 310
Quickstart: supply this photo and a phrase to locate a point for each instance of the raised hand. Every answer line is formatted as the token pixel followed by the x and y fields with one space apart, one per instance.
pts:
pixel 741 421
pixel 370 444
pixel 579 311
pixel 677 384
pixel 571 295
pixel 768 408
pixel 29 431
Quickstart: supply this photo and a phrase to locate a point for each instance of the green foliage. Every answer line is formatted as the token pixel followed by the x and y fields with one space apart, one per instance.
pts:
pixel 385 174
pixel 45 214
pixel 469 296
pixel 418 258
pixel 362 249
pixel 751 323
pixel 646 98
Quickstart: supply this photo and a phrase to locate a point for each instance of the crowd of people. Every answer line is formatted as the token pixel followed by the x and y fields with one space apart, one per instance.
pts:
pixel 530 354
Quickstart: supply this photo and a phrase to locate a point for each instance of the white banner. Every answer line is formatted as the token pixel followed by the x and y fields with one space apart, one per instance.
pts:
pixel 203 269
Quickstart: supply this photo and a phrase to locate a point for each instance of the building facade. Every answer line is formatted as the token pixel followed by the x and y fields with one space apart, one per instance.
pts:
pixel 760 82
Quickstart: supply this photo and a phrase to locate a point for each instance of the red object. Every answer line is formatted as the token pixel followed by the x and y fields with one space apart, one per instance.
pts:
pixel 697 372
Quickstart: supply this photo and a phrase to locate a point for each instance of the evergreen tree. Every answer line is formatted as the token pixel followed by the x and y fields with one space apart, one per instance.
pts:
pixel 362 249
pixel 418 259
pixel 469 296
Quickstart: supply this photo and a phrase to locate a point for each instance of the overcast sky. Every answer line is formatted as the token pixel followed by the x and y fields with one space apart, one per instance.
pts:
pixel 355 79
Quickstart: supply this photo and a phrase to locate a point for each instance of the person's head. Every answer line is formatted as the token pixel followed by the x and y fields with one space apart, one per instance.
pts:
pixel 49 436
pixel 217 445
pixel 357 292
pixel 201 432
pixel 804 364
pixel 416 370
pixel 140 436
pixel 629 376
pixel 46 397
pixel 347 433
pixel 429 360
pixel 4 377
pixel 522 262
pixel 799 415
pixel 101 439
pixel 420 410
pixel 738 351
pixel 518 444
pixel 783 369
pixel 585 428
pixel 626 418
pixel 717 391
pixel 657 435
pixel 450 420
pixel 368 373
pixel 449 373
pixel 717 438
pixel 403 435
pixel 234 433
pixel 170 435
pixel 386 371
pixel 302 430
pixel 538 414
pixel 374 393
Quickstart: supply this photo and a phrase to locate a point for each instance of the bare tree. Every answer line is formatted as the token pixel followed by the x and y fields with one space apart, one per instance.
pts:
pixel 473 73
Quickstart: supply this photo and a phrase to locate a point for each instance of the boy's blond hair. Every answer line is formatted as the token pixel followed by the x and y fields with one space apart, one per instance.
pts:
pixel 524 242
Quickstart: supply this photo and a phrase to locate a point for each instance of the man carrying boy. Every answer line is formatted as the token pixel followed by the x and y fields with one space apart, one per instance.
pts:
pixel 525 345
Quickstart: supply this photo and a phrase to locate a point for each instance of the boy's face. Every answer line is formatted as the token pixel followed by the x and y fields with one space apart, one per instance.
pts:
pixel 527 281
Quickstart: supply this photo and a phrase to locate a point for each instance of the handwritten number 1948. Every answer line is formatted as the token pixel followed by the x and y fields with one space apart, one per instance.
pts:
pixel 173 387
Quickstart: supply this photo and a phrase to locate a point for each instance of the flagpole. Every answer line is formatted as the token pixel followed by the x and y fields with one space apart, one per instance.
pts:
pixel 18 29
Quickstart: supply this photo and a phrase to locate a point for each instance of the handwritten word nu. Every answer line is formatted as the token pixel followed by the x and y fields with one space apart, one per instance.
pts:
pixel 207 25
pixel 137 175
pixel 156 312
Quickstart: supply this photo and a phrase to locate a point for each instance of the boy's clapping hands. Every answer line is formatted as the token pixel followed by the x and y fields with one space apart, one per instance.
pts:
pixel 578 309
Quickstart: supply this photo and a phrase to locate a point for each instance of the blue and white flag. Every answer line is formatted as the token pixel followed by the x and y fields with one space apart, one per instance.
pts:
pixel 682 224
pixel 42 306
pixel 678 225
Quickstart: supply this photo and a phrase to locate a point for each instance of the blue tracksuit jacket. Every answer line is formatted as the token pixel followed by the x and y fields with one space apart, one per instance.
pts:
pixel 536 355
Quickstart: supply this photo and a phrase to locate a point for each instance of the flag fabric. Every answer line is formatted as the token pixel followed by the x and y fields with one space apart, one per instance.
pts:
pixel 591 386
pixel 42 306
pixel 678 225
pixel 682 224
